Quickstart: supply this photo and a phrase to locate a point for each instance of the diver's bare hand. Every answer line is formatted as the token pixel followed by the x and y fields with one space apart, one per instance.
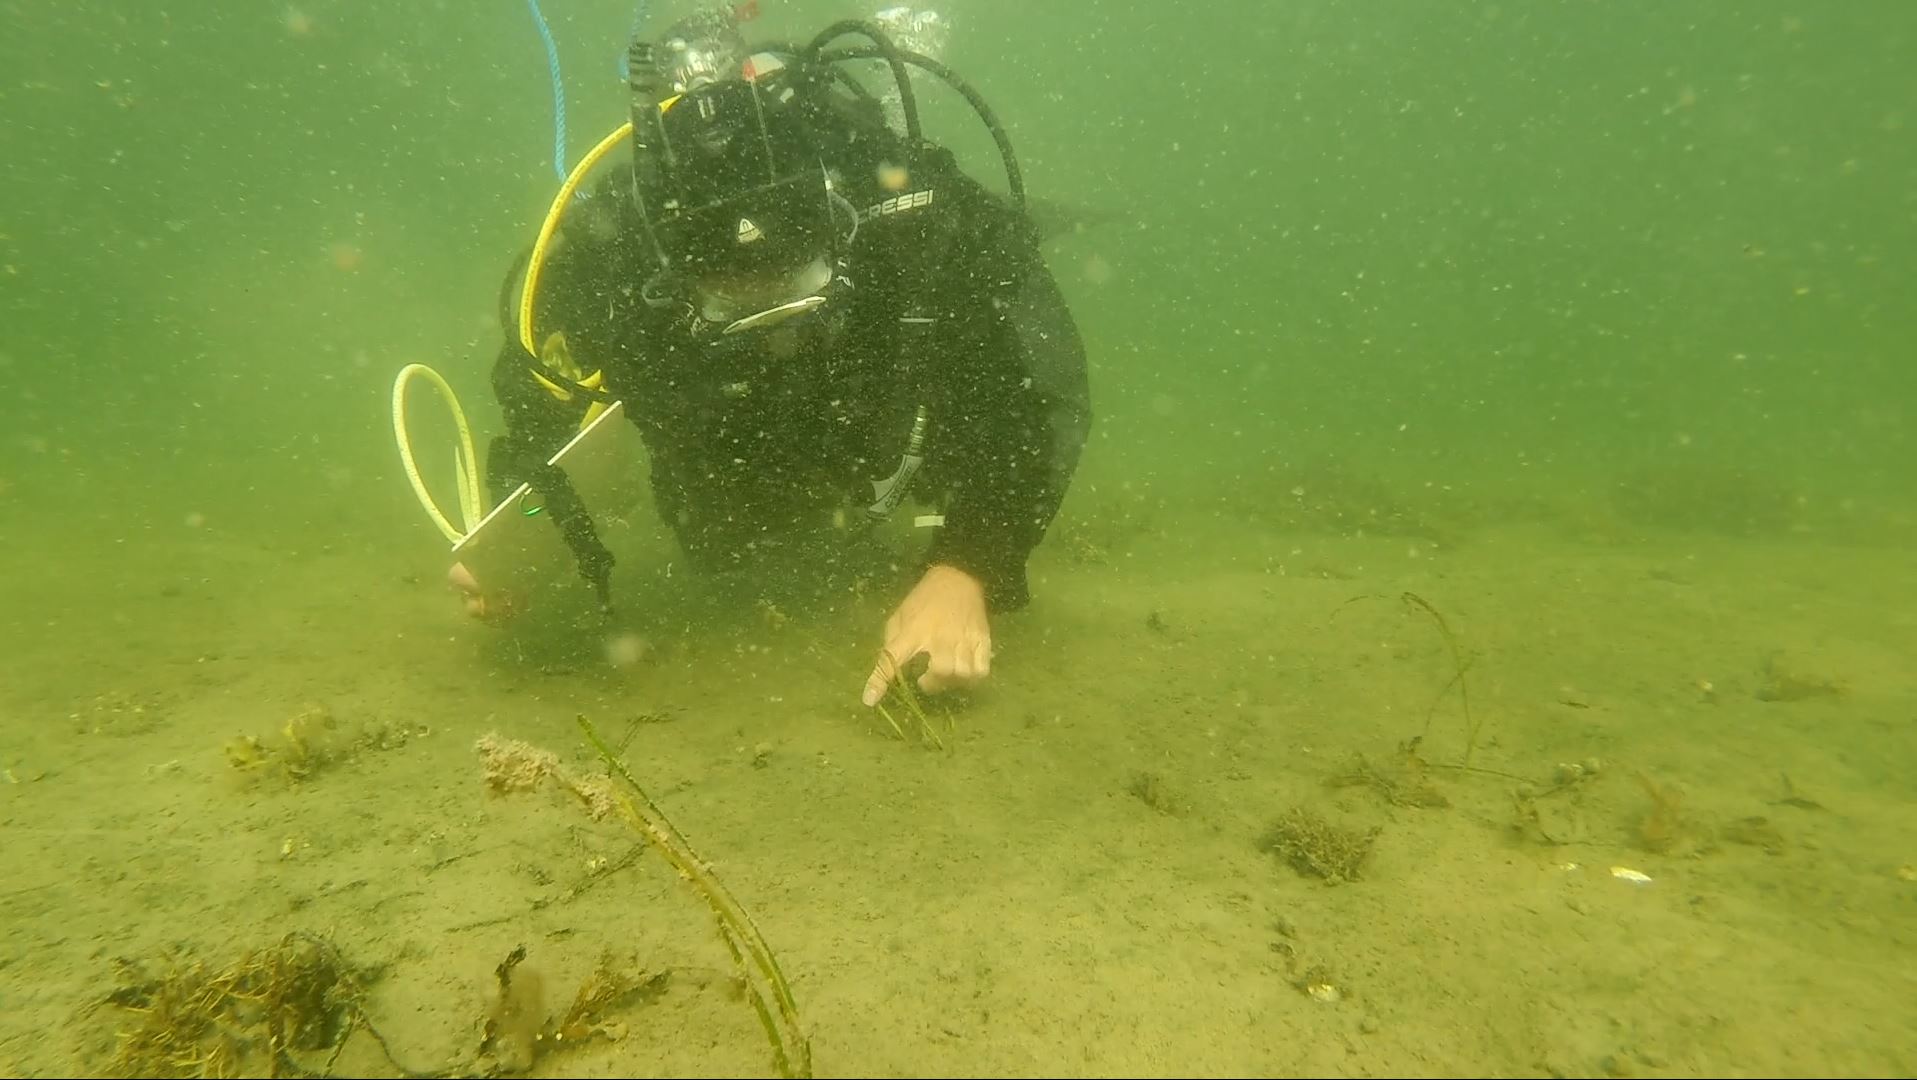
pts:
pixel 944 618
pixel 480 605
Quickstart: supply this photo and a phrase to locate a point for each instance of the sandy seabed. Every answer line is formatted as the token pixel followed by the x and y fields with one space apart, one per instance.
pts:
pixel 1684 847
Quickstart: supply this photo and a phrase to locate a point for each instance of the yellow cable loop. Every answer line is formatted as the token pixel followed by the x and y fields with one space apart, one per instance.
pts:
pixel 465 460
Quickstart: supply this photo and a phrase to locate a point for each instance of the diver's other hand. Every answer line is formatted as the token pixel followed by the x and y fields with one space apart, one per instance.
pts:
pixel 478 604
pixel 944 618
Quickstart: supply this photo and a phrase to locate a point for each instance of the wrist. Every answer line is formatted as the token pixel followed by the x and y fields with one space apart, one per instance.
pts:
pixel 946 573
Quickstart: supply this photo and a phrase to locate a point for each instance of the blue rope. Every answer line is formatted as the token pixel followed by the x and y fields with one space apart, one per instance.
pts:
pixel 558 91
pixel 639 14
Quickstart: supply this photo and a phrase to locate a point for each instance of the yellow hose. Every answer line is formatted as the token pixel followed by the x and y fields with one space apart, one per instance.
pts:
pixel 465 460
pixel 551 225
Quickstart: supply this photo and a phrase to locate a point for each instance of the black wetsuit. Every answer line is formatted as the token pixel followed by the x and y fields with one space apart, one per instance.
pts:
pixel 771 432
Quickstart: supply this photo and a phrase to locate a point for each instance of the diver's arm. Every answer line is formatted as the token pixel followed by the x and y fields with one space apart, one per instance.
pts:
pixel 1016 419
pixel 537 425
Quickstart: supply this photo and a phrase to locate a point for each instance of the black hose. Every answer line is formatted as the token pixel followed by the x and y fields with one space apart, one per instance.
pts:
pixel 882 47
pixel 1013 177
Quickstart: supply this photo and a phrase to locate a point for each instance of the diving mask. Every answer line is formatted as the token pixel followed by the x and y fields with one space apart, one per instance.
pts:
pixel 751 302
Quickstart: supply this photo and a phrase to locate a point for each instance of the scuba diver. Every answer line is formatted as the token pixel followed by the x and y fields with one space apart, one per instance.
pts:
pixel 812 317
